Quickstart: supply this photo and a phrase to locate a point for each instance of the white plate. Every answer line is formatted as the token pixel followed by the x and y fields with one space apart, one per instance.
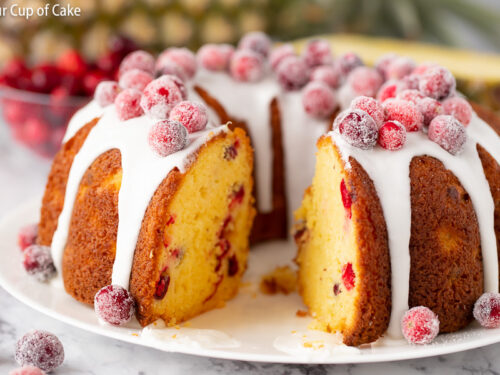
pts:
pixel 251 327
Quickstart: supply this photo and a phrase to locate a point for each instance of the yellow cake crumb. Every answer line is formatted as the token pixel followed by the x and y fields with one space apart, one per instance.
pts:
pixel 280 280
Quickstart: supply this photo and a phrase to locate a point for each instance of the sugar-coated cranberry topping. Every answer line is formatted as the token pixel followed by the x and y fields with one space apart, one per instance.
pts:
pixel 183 57
pixel 135 79
pixel 399 67
pixel 448 132
pixel 336 289
pixel 437 82
pixel 317 52
pixel 404 112
pixel 410 95
pixel 232 265
pixel 430 108
pixel 459 108
pixel 318 99
pixel 327 74
pixel 420 325
pixel 292 73
pixel 358 128
pixel 114 305
pixel 179 83
pixel 383 63
pixel 215 57
pixel 138 60
pixel 37 261
pixel 162 285
pixel 392 135
pixel 192 115
pixel 279 53
pixel 167 137
pixel 246 65
pixel 370 106
pixel 160 96
pixel 27 370
pixel 106 93
pixel 390 89
pixel 127 104
pixel 27 236
pixel 169 67
pixel 422 68
pixel 347 62
pixel 365 81
pixel 256 41
pixel 412 81
pixel 346 198
pixel 348 276
pixel 487 310
pixel 40 349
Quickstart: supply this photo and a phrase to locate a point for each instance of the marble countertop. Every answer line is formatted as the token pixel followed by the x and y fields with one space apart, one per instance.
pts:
pixel 23 176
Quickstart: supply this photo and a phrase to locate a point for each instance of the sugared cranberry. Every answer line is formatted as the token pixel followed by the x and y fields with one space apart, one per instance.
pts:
pixel 327 74
pixel 404 112
pixel 45 78
pixel 180 85
pixel 420 325
pixel 292 73
pixel 114 305
pixel 392 135
pixel 232 265
pixel 319 100
pixel 215 57
pixel 487 310
pixel 106 93
pixel 358 128
pixel 37 261
pixel 317 52
pixel 347 62
pixel 348 276
pixel 27 236
pixel 458 108
pixel 430 108
pixel 390 89
pixel 256 41
pixel 183 57
pixel 171 68
pixel 141 60
pixel 162 285
pixel 127 104
pixel 160 96
pixel 448 132
pixel 280 53
pixel 135 79
pixel 370 106
pixel 413 96
pixel 40 349
pixel 71 61
pixel 365 81
pixel 27 370
pixel 383 63
pixel 424 67
pixel 412 81
pixel 247 66
pixel 167 137
pixel 437 82
pixel 346 198
pixel 192 115
pixel 399 67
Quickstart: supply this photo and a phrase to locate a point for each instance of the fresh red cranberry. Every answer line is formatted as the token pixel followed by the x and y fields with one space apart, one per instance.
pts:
pixel 192 115
pixel 167 137
pixel 232 265
pixel 327 74
pixel 128 104
pixel 91 80
pixel 347 62
pixel 390 89
pixel 106 93
pixel 27 236
pixel 317 52
pixel 40 349
pixel 109 63
pixel 420 325
pixel 71 61
pixel 319 99
pixel 27 370
pixel 358 128
pixel 135 79
pixel 365 81
pixel 336 289
pixel 392 135
pixel 487 310
pixel 280 53
pixel 247 66
pixel 458 108
pixel 413 96
pixel 160 96
pixel 16 74
pixel 183 57
pixel 162 284
pixel 292 73
pixel 430 108
pixel 370 106
pixel 114 305
pixel 141 60
pixel 256 41
pixel 348 276
pixel 437 82
pixel 404 112
pixel 215 57
pixel 383 63
pixel 45 78
pixel 14 111
pixel 399 67
pixel 448 132
pixel 37 261
pixel 35 131
pixel 346 198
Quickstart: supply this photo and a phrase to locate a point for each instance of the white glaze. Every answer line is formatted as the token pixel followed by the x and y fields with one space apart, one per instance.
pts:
pixel 81 118
pixel 143 171
pixel 390 174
